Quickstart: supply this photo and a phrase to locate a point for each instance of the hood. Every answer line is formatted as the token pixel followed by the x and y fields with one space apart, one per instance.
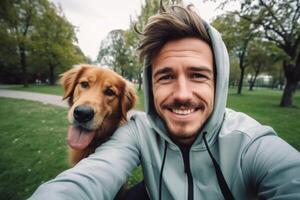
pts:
pixel 214 122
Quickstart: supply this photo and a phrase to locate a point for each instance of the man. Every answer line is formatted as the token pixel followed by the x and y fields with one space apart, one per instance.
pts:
pixel 188 144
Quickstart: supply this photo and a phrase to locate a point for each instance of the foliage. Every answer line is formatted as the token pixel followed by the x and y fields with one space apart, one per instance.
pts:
pixel 237 33
pixel 114 53
pixel 279 23
pixel 54 48
pixel 263 57
pixel 17 20
pixel 38 42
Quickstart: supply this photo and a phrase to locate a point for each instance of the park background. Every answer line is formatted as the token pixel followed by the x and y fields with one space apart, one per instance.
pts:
pixel 38 43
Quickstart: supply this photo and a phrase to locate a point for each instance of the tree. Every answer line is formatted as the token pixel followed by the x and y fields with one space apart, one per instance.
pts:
pixel 54 39
pixel 279 21
pixel 9 70
pixel 237 34
pixel 18 18
pixel 261 57
pixel 113 52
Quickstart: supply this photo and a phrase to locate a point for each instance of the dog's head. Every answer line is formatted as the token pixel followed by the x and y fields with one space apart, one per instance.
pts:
pixel 99 100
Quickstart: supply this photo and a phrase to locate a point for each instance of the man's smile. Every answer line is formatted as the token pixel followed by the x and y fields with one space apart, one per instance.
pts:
pixel 183 111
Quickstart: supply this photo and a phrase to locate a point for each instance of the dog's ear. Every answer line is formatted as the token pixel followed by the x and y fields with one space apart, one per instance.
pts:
pixel 129 99
pixel 68 81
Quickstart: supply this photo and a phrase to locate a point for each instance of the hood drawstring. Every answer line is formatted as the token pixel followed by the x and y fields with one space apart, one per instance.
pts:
pixel 221 180
pixel 162 169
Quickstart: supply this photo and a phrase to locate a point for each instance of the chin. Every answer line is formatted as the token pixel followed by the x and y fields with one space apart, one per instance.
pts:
pixel 182 133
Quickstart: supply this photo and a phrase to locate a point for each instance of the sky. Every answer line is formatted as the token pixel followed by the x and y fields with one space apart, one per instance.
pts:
pixel 94 19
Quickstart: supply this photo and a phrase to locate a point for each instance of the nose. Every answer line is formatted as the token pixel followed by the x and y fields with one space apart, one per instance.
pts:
pixel 83 114
pixel 183 90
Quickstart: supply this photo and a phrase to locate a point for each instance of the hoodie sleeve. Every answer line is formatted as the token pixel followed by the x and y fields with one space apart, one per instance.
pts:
pixel 101 175
pixel 272 167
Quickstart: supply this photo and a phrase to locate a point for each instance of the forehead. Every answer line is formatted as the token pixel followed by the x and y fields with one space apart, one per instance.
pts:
pixel 192 52
pixel 97 74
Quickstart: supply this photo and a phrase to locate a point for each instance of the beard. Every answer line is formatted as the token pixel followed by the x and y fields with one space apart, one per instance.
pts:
pixel 184 134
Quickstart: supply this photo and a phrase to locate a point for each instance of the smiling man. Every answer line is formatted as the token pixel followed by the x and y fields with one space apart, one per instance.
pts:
pixel 183 87
pixel 189 145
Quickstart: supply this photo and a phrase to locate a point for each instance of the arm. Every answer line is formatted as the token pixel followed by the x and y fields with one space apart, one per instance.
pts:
pixel 99 176
pixel 272 167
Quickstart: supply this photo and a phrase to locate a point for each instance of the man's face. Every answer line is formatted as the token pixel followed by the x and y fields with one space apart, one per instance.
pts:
pixel 183 87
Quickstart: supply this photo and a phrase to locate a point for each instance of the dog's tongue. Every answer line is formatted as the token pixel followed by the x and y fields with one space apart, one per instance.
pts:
pixel 79 138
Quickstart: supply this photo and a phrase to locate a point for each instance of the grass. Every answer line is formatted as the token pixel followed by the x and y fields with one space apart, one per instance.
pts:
pixel 33 146
pixel 47 89
pixel 32 142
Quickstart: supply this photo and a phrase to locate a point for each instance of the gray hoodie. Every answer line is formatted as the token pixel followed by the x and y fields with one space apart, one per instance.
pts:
pixel 253 160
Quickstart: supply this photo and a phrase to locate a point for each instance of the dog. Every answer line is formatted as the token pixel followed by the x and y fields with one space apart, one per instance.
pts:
pixel 99 100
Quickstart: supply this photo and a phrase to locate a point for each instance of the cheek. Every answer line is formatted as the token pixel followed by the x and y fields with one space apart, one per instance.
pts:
pixel 161 94
pixel 206 92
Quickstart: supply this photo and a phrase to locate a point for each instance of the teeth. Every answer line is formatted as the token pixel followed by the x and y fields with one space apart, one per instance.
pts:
pixel 183 112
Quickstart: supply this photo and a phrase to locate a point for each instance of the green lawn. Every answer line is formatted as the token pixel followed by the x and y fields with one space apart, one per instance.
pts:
pixel 47 89
pixel 33 146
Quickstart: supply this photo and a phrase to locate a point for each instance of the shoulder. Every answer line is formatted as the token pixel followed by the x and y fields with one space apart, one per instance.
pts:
pixel 241 123
pixel 270 161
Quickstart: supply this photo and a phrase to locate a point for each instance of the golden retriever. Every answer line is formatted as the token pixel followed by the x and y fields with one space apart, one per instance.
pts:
pixel 99 100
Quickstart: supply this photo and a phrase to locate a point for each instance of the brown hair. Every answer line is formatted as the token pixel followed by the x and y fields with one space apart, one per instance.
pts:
pixel 171 23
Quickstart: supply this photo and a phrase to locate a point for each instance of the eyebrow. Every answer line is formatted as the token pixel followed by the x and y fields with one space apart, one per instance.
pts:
pixel 164 70
pixel 200 68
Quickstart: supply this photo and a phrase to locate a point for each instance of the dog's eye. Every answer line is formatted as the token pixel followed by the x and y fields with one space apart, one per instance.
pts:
pixel 109 92
pixel 84 84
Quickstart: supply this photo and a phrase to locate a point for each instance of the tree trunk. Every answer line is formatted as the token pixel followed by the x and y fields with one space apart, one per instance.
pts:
pixel 242 66
pixel 140 82
pixel 292 74
pixel 287 97
pixel 252 82
pixel 23 64
pixel 240 86
pixel 51 74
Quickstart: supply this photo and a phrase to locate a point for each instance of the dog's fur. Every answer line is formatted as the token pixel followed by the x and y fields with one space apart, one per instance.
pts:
pixel 108 94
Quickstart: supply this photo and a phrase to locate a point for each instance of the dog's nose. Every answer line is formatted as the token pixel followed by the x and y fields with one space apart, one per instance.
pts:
pixel 83 113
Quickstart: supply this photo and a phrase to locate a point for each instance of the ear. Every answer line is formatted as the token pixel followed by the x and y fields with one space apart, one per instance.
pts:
pixel 129 99
pixel 68 81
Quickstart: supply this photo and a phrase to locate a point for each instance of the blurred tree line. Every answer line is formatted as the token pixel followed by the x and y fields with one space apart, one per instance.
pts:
pixel 37 42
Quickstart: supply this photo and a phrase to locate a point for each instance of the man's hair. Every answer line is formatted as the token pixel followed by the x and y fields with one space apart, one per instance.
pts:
pixel 171 23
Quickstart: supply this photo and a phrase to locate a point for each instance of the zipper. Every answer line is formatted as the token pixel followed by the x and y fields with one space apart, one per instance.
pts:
pixel 187 169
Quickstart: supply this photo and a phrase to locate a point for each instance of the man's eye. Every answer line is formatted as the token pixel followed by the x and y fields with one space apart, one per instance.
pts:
pixel 84 84
pixel 198 76
pixel 166 77
pixel 109 92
